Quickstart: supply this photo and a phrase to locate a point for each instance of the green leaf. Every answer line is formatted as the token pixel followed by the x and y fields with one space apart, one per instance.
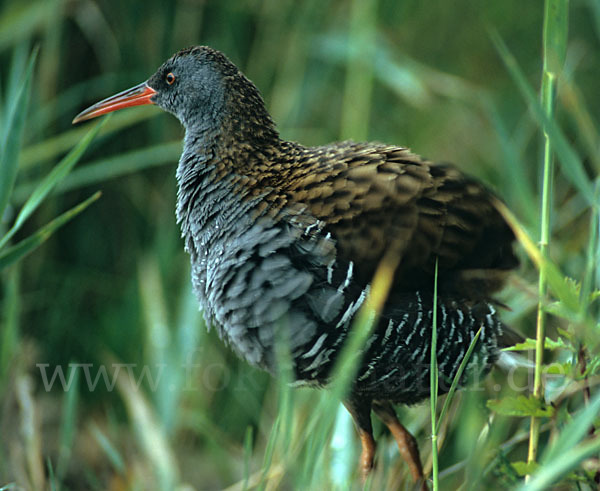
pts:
pixel 21 249
pixel 54 176
pixel 20 20
pixel 555 278
pixel 68 424
pixel 556 368
pixel 574 431
pixel 524 468
pixel 593 367
pixel 555 34
pixel 529 344
pixel 248 439
pixel 10 139
pixel 433 385
pixel 520 406
pixel 455 381
pixel 9 319
pixel 110 168
pixel 558 309
pixel 566 461
pixel 565 334
pixel 57 145
pixel 106 446
pixel 571 164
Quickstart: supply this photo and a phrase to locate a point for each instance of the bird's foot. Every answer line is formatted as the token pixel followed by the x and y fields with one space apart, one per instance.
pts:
pixel 367 455
pixel 407 444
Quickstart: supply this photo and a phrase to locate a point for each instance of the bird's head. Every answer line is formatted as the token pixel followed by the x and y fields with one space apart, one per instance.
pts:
pixel 202 88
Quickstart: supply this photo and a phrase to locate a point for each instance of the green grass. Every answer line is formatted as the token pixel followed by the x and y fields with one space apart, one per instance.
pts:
pixel 434 389
pixel 555 48
pixel 109 283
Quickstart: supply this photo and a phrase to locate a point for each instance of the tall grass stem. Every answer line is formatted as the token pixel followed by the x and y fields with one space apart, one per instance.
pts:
pixel 433 373
pixel 555 39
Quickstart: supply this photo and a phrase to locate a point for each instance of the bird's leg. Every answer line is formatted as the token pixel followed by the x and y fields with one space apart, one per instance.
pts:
pixel 367 454
pixel 360 410
pixel 407 444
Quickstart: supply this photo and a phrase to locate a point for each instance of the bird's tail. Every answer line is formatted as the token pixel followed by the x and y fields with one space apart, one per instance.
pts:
pixel 509 360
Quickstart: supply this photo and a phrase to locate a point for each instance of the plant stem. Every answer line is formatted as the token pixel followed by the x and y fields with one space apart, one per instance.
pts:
pixel 433 372
pixel 555 37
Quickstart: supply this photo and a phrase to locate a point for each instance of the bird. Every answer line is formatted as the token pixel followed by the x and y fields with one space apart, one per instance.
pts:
pixel 284 241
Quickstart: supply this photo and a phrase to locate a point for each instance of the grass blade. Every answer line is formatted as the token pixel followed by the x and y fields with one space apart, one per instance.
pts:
pixel 248 439
pixel 573 432
pixel 10 143
pixel 555 278
pixel 348 362
pixel 571 164
pixel 108 448
pixel 68 426
pixel 22 19
pixel 150 434
pixel 560 465
pixel 555 46
pixel 9 319
pixel 456 380
pixel 269 450
pixel 110 168
pixel 21 249
pixel 593 250
pixel 57 145
pixel 434 379
pixel 52 179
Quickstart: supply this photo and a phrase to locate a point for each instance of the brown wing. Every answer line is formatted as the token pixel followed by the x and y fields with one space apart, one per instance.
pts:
pixel 375 198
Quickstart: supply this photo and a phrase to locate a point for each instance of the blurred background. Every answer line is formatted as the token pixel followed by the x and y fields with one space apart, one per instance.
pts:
pixel 111 287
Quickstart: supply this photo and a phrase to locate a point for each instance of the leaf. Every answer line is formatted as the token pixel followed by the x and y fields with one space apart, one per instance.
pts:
pixel 54 146
pixel 551 471
pixel 21 249
pixel 524 468
pixel 529 344
pixel 555 278
pixel 558 309
pixel 109 168
pixel 10 139
pixel 455 381
pixel 555 34
pixel 68 424
pixel 556 368
pixel 571 164
pixel 574 431
pixel 593 367
pixel 54 176
pixel 520 406
pixel 565 334
pixel 20 20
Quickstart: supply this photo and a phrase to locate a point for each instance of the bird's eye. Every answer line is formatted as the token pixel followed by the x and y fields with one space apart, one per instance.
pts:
pixel 170 78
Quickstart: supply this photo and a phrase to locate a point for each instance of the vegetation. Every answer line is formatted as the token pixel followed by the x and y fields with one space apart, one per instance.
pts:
pixel 108 376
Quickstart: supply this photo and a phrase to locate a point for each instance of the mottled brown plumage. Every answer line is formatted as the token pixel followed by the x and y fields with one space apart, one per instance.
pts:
pixel 284 241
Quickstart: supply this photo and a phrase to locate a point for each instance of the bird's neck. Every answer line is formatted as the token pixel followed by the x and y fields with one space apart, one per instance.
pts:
pixel 214 174
pixel 235 136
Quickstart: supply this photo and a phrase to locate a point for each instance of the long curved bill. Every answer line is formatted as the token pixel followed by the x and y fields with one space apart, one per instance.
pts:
pixel 136 96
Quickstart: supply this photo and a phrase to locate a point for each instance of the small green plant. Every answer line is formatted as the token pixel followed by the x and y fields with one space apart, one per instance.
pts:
pixel 13 115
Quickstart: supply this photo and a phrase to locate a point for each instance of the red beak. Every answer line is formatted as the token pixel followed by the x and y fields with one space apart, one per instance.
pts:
pixel 136 96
